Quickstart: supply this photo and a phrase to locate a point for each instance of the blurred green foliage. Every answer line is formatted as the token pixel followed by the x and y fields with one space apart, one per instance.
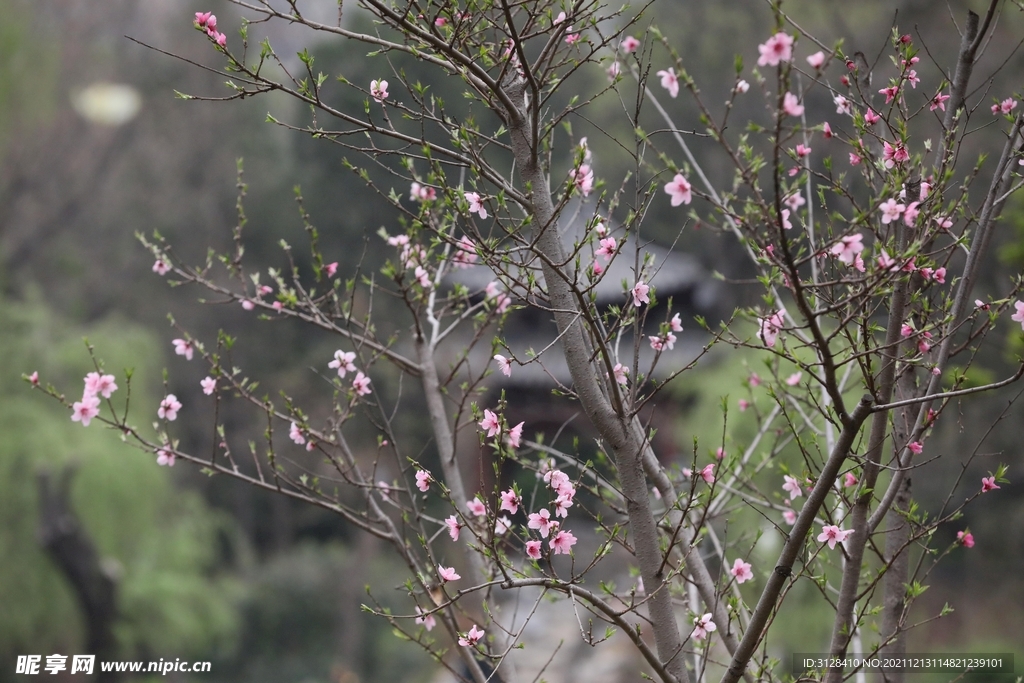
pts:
pixel 161 542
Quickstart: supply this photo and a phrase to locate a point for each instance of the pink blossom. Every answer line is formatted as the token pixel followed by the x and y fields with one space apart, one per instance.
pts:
pixel 742 86
pixel 583 177
pixel 675 324
pixel 906 330
pixel 453 527
pixel 542 522
pixel 465 251
pixel 629 44
pixel 490 423
pixel 440 22
pixel 1004 107
pixel 871 117
pixel 843 105
pixel 669 81
pixel 85 410
pixel 423 480
pixel 103 385
pixel 169 408
pixel 619 373
pixel 379 90
pixel 559 19
pixel 1019 315
pixel 510 501
pixel 476 204
pixel 965 538
pixel 912 78
pixel 938 102
pixel 613 71
pixel 886 262
pixel 502 525
pixel 847 248
pixel 343 362
pixel 940 275
pixel 708 473
pixel 640 293
pixel 894 155
pixel 849 480
pixel 791 105
pixel 422 277
pixel 945 222
pixel 447 573
pixel 741 571
pixel 472 637
pixel 504 364
pixel 202 18
pixel 989 484
pixel 165 458
pixel 778 48
pixel 789 516
pixel 791 486
pixel 702 627
pixel 248 305
pixel 607 248
pixel 417 193
pixel 744 404
pixel 802 151
pixel 331 268
pixel 476 507
pixel 34 378
pixel 361 384
pixel 922 343
pixel 556 479
pixel 786 223
pixel 978 303
pixel 562 542
pixel 854 159
pixel 833 534
pixel 680 190
pixel 515 435
pixel 183 347
pixel 161 267
pixel 295 434
pixel 826 130
pixel 770 328
pixel 816 60
pixel 719 455
pixel 218 38
pixel 794 379
pixel 533 549
pixel 911 212
pixel 572 38
pixel 428 620
pixel 754 380
pixel 890 93
pixel 915 447
pixel 891 210
pixel 657 343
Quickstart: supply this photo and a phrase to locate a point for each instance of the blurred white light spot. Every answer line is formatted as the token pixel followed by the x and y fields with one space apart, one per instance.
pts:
pixel 108 104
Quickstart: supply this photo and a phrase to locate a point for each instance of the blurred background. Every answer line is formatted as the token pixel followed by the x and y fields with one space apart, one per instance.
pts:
pixel 95 146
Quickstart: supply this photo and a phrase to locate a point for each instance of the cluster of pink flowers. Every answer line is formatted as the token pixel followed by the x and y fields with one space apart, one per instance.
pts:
pixel 1004 107
pixel 583 178
pixel 562 540
pixel 207 21
pixel 491 424
pixel 96 385
pixel 344 363
pixel 502 300
pixel 465 251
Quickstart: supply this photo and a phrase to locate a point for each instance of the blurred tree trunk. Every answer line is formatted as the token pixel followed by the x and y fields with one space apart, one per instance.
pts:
pixel 70 547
